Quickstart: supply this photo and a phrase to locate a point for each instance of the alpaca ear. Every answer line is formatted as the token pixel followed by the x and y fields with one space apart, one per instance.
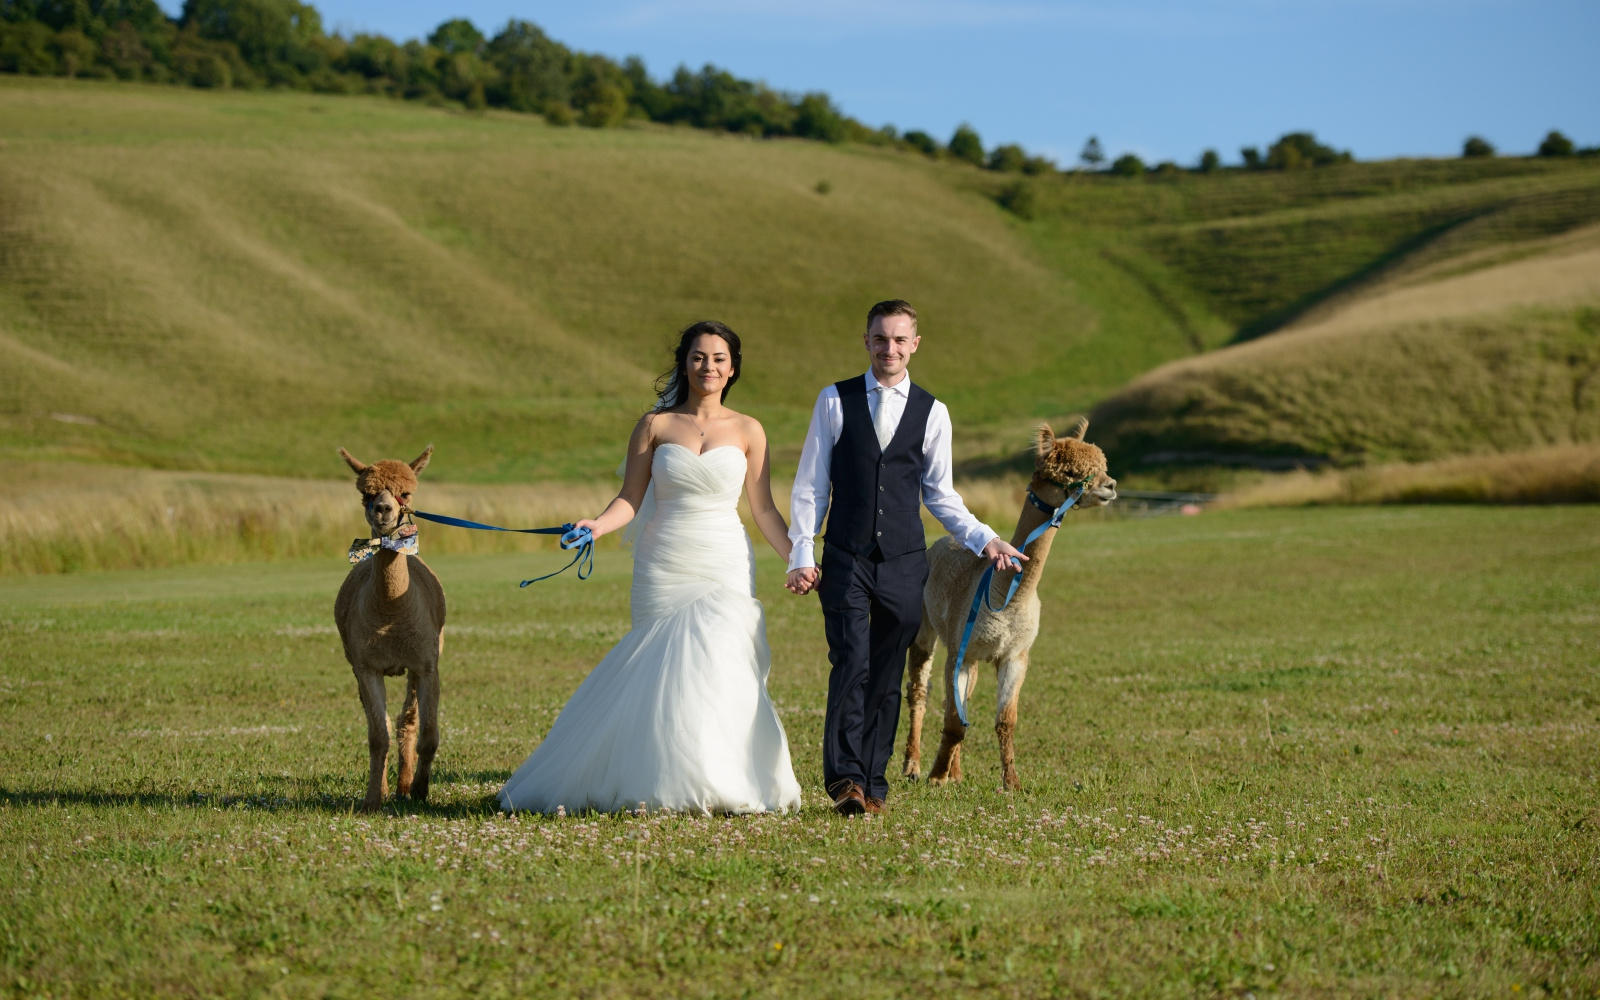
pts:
pixel 1081 429
pixel 351 460
pixel 1044 440
pixel 421 461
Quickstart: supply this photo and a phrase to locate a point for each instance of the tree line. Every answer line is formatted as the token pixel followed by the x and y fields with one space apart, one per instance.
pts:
pixel 282 44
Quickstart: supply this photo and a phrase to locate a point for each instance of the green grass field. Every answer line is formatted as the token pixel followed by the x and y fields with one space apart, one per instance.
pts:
pixel 1326 752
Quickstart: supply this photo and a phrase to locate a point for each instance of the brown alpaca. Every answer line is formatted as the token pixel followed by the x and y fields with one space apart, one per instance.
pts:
pixel 390 613
pixel 1003 639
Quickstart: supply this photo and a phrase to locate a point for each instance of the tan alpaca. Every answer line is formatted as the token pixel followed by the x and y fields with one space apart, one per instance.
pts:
pixel 390 613
pixel 1003 639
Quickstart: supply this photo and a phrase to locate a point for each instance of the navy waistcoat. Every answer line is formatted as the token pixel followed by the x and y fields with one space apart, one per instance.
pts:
pixel 877 492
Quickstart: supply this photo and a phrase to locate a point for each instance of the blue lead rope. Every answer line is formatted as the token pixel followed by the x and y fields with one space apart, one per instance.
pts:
pixel 572 537
pixel 980 599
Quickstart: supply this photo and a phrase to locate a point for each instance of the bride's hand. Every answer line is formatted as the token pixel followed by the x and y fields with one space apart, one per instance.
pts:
pixel 591 524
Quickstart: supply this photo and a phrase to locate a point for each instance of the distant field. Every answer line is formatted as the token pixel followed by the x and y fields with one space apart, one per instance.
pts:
pixel 1328 753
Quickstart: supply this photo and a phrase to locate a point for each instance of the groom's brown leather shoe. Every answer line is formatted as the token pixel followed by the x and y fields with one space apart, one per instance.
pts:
pixel 875 807
pixel 851 801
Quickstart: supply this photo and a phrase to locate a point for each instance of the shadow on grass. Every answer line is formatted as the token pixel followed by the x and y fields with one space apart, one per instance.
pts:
pixel 325 803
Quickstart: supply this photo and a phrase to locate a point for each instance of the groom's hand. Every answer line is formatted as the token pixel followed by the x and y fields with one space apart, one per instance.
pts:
pixel 1003 555
pixel 802 581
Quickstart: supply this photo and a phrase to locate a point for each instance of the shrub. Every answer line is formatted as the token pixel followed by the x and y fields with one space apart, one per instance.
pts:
pixel 1127 165
pixel 1295 150
pixel 1476 146
pixel 965 145
pixel 921 141
pixel 1251 156
pixel 1209 161
pixel 1555 144
pixel 1008 159
pixel 1019 198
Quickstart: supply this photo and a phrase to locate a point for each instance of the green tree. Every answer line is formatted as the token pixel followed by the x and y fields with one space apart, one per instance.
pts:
pixel 600 92
pixel 1092 155
pixel 644 94
pixel 965 145
pixel 922 142
pixel 817 118
pixel 1251 156
pixel 273 37
pixel 1295 150
pixel 75 52
pixel 1034 166
pixel 25 48
pixel 1556 144
pixel 1127 165
pixel 1210 161
pixel 1476 146
pixel 457 35
pixel 533 73
pixel 1008 158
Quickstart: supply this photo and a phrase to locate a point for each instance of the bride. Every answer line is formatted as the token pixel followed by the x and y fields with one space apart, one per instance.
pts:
pixel 676 716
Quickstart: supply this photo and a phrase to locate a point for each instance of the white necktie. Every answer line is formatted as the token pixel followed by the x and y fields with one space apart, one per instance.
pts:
pixel 882 421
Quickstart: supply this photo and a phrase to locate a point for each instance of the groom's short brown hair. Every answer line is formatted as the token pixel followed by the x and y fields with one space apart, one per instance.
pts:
pixel 892 307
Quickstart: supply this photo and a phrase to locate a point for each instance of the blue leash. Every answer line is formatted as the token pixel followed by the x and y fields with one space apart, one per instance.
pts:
pixel 581 539
pixel 981 598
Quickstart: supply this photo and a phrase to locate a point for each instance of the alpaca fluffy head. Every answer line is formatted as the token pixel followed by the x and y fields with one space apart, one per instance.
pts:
pixel 1066 460
pixel 386 486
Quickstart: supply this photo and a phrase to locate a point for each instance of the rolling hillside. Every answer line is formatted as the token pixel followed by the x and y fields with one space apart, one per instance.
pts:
pixel 242 281
pixel 238 282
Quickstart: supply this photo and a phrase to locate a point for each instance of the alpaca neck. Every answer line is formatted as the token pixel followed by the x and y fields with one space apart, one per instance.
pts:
pixel 391 579
pixel 1038 553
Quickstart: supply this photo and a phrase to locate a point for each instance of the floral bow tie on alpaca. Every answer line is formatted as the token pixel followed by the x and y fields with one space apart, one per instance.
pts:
pixel 404 541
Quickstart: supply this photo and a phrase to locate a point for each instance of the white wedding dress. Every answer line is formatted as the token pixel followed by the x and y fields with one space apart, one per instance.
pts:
pixel 676 716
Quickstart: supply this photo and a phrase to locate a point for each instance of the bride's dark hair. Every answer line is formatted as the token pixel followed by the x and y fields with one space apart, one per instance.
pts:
pixel 671 388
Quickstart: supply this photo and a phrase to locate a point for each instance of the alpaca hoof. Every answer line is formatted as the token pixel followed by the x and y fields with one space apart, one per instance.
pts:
pixel 912 771
pixel 369 806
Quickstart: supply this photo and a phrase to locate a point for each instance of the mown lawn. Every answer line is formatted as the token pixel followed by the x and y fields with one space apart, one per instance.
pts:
pixel 1321 752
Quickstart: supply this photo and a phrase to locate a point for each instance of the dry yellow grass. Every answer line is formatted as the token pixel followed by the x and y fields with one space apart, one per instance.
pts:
pixel 1558 474
pixel 58 517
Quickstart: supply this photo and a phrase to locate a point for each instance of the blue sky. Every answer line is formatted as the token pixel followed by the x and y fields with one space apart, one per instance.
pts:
pixel 1164 79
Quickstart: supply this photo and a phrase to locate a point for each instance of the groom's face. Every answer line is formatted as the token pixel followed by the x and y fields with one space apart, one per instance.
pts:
pixel 891 340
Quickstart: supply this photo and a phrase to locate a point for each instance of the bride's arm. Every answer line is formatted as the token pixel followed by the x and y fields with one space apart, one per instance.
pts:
pixel 758 488
pixel 635 480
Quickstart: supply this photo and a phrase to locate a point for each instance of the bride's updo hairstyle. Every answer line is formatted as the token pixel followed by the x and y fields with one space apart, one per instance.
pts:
pixel 671 388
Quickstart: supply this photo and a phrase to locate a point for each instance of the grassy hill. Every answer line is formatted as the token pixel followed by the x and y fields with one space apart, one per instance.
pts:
pixel 236 283
pixel 240 282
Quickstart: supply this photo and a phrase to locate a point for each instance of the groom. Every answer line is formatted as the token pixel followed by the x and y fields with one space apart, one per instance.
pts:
pixel 881 447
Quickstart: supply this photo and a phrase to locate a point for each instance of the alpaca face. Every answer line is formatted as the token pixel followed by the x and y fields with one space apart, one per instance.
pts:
pixel 1060 462
pixel 386 489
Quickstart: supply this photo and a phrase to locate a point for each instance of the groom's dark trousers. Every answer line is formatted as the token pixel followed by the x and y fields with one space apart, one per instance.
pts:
pixel 873 568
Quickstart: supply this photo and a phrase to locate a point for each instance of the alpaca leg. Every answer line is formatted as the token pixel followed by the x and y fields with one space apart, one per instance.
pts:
pixel 947 766
pixel 917 675
pixel 372 702
pixel 406 736
pixel 1013 670
pixel 427 731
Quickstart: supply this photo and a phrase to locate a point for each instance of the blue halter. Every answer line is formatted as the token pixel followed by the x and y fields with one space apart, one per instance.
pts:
pixel 980 599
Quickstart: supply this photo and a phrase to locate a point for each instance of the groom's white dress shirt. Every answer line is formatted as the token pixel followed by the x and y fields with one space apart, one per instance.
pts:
pixel 808 505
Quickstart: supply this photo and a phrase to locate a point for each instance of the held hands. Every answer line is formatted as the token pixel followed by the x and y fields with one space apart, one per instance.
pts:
pixel 802 581
pixel 1002 554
